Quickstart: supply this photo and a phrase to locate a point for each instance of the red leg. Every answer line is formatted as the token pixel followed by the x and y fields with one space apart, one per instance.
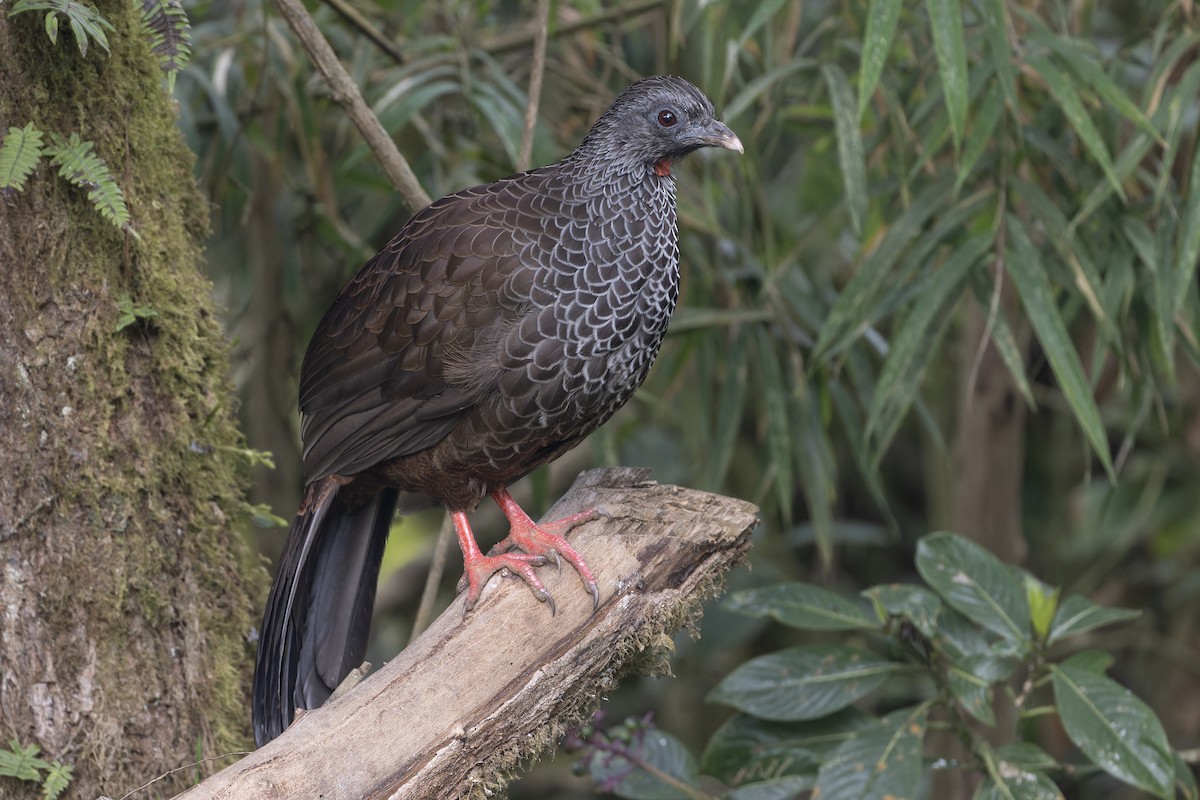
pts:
pixel 477 567
pixel 546 539
pixel 533 544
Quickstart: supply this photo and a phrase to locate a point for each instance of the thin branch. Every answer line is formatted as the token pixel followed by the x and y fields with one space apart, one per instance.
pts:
pixel 344 91
pixel 437 568
pixel 535 83
pixel 520 39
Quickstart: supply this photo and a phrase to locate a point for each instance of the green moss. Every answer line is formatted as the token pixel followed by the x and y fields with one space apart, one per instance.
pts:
pixel 142 460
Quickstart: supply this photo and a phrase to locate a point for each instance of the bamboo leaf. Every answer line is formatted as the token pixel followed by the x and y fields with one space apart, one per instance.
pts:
pixel 1187 250
pixel 995 31
pixel 882 17
pixel 1087 68
pixel 817 468
pixel 779 436
pixel 1062 237
pixel 730 404
pixel 1028 273
pixel 913 345
pixel 983 130
pixel 1068 98
pixel 850 145
pixel 846 318
pixel 945 18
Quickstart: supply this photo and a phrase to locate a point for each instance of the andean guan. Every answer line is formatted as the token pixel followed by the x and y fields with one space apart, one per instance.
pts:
pixel 501 326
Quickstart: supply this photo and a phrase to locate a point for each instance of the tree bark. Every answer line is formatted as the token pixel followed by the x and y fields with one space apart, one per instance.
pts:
pixel 455 713
pixel 127 595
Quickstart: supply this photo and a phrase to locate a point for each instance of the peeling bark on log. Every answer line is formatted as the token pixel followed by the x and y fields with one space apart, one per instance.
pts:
pixel 455 713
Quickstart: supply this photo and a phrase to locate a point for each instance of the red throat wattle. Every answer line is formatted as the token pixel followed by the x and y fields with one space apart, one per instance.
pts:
pixel 662 167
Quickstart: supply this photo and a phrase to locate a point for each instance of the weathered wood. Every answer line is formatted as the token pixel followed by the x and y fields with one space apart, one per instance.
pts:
pixel 455 713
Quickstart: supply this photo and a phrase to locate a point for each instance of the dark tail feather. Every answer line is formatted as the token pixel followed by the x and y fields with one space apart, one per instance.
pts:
pixel 318 614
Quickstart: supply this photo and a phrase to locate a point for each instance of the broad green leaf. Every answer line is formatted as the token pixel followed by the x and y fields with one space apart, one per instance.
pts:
pixel 916 604
pixel 1013 783
pixel 1043 602
pixel 945 19
pixel 1028 273
pixel 1078 614
pixel 1026 756
pixel 803 682
pixel 850 145
pixel 1115 729
pixel 959 637
pixel 1185 781
pixel 882 16
pixel 913 344
pixel 1097 661
pixel 995 31
pixel 779 437
pixel 976 583
pixel 801 605
pixel 787 788
pixel 971 680
pixel 662 753
pixel 746 748
pixel 1064 91
pixel 880 764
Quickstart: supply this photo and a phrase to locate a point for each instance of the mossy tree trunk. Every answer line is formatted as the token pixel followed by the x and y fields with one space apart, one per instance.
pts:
pixel 127 596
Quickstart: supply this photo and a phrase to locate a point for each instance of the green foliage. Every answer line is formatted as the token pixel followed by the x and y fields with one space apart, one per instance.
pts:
pixel 23 148
pixel 949 650
pixel 131 313
pixel 85 21
pixel 170 35
pixel 23 764
pixel 19 156
pixel 81 167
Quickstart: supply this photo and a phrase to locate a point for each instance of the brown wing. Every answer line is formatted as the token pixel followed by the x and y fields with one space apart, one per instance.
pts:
pixel 407 347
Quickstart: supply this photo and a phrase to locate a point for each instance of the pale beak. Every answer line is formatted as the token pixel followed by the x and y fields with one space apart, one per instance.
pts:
pixel 716 134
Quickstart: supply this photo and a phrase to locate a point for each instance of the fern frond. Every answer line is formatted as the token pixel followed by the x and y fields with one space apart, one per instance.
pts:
pixel 85 21
pixel 19 156
pixel 170 35
pixel 79 165
pixel 57 779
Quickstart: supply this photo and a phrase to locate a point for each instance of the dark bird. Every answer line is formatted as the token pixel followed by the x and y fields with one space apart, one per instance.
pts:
pixel 501 326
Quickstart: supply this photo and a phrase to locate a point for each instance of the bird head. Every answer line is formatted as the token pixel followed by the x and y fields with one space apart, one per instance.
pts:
pixel 654 123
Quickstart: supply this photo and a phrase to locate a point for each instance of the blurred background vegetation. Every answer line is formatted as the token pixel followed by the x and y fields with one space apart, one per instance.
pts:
pixel 949 286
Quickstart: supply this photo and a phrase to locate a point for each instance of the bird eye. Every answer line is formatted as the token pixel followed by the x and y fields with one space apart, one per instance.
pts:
pixel 667 118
